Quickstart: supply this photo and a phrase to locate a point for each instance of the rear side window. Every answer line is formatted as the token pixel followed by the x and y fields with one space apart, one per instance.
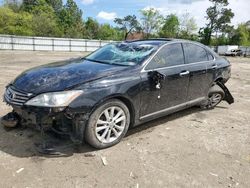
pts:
pixel 168 56
pixel 195 53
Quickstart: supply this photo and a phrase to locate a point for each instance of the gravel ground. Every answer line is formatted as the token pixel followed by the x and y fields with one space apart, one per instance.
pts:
pixel 191 148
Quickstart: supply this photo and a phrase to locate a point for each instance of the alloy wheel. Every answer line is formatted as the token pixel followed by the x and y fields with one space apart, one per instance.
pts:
pixel 215 99
pixel 110 124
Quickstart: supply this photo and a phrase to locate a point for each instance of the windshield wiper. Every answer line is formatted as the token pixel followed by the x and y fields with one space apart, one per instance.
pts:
pixel 106 62
pixel 97 61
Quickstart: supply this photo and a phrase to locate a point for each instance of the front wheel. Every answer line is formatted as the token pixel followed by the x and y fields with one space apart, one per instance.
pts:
pixel 108 124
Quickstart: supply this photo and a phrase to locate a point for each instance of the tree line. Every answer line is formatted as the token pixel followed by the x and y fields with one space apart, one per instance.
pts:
pixel 52 18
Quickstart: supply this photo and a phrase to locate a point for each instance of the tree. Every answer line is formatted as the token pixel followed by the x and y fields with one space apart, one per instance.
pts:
pixel 171 26
pixel 15 23
pixel 13 4
pixel 28 5
pixel 218 17
pixel 45 24
pixel 44 20
pixel 152 20
pixel 187 26
pixel 241 35
pixel 128 24
pixel 70 19
pixel 107 32
pixel 57 5
pixel 91 28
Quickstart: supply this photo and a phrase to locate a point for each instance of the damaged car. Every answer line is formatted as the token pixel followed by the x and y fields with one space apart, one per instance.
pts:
pixel 121 85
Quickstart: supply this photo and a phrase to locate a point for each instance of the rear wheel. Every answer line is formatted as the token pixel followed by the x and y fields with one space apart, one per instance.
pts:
pixel 108 124
pixel 215 96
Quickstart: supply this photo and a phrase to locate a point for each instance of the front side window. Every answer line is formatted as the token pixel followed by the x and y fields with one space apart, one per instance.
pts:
pixel 195 53
pixel 170 55
pixel 126 54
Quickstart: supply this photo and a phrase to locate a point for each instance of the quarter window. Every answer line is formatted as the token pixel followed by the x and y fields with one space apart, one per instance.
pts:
pixel 169 55
pixel 210 56
pixel 195 53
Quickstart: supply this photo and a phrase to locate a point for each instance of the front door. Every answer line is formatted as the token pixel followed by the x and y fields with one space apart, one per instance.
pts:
pixel 169 91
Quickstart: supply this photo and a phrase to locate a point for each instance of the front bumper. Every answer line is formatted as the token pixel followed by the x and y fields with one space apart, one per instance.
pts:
pixel 60 121
pixel 64 121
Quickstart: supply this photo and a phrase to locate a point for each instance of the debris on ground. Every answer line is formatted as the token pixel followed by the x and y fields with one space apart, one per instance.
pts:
pixel 104 161
pixel 132 175
pixel 20 170
pixel 216 175
pixel 196 120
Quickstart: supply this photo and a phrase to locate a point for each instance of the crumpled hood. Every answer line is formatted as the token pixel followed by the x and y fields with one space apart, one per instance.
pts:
pixel 62 75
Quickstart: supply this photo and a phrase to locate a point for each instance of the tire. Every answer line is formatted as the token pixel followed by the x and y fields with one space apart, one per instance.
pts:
pixel 215 96
pixel 108 124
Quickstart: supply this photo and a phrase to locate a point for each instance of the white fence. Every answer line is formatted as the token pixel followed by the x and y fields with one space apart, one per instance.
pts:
pixel 10 42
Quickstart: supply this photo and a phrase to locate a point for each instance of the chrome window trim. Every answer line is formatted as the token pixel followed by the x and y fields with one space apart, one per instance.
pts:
pixel 175 42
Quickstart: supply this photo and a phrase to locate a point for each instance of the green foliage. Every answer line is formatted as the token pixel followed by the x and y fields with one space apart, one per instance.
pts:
pixel 15 23
pixel 70 19
pixel 28 5
pixel 44 24
pixel 91 28
pixel 205 35
pixel 241 35
pixel 106 32
pixel 128 24
pixel 171 27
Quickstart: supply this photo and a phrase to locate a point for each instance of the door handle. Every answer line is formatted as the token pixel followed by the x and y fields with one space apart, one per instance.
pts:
pixel 214 66
pixel 184 73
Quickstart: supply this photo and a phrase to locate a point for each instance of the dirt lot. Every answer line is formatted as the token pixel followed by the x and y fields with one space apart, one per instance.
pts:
pixel 192 148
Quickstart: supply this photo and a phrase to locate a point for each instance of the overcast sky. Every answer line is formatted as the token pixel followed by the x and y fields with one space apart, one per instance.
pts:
pixel 106 10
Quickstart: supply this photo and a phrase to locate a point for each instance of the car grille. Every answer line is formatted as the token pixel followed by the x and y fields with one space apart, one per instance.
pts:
pixel 16 97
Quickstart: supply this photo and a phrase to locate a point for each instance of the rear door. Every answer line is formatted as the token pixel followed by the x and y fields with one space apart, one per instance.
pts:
pixel 196 60
pixel 173 89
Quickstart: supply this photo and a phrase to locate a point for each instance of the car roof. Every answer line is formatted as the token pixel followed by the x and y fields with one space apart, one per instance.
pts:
pixel 158 42
pixel 154 41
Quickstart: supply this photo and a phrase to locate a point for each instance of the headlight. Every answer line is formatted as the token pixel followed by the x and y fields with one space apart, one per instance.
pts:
pixel 55 99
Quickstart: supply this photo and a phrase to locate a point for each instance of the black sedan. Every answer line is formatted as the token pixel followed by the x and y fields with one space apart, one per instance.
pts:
pixel 121 85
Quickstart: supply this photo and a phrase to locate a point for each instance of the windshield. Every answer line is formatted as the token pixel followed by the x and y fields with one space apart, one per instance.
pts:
pixel 127 54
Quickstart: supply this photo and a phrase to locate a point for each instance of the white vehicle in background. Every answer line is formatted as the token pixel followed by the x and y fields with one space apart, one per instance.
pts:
pixel 234 53
pixel 223 50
